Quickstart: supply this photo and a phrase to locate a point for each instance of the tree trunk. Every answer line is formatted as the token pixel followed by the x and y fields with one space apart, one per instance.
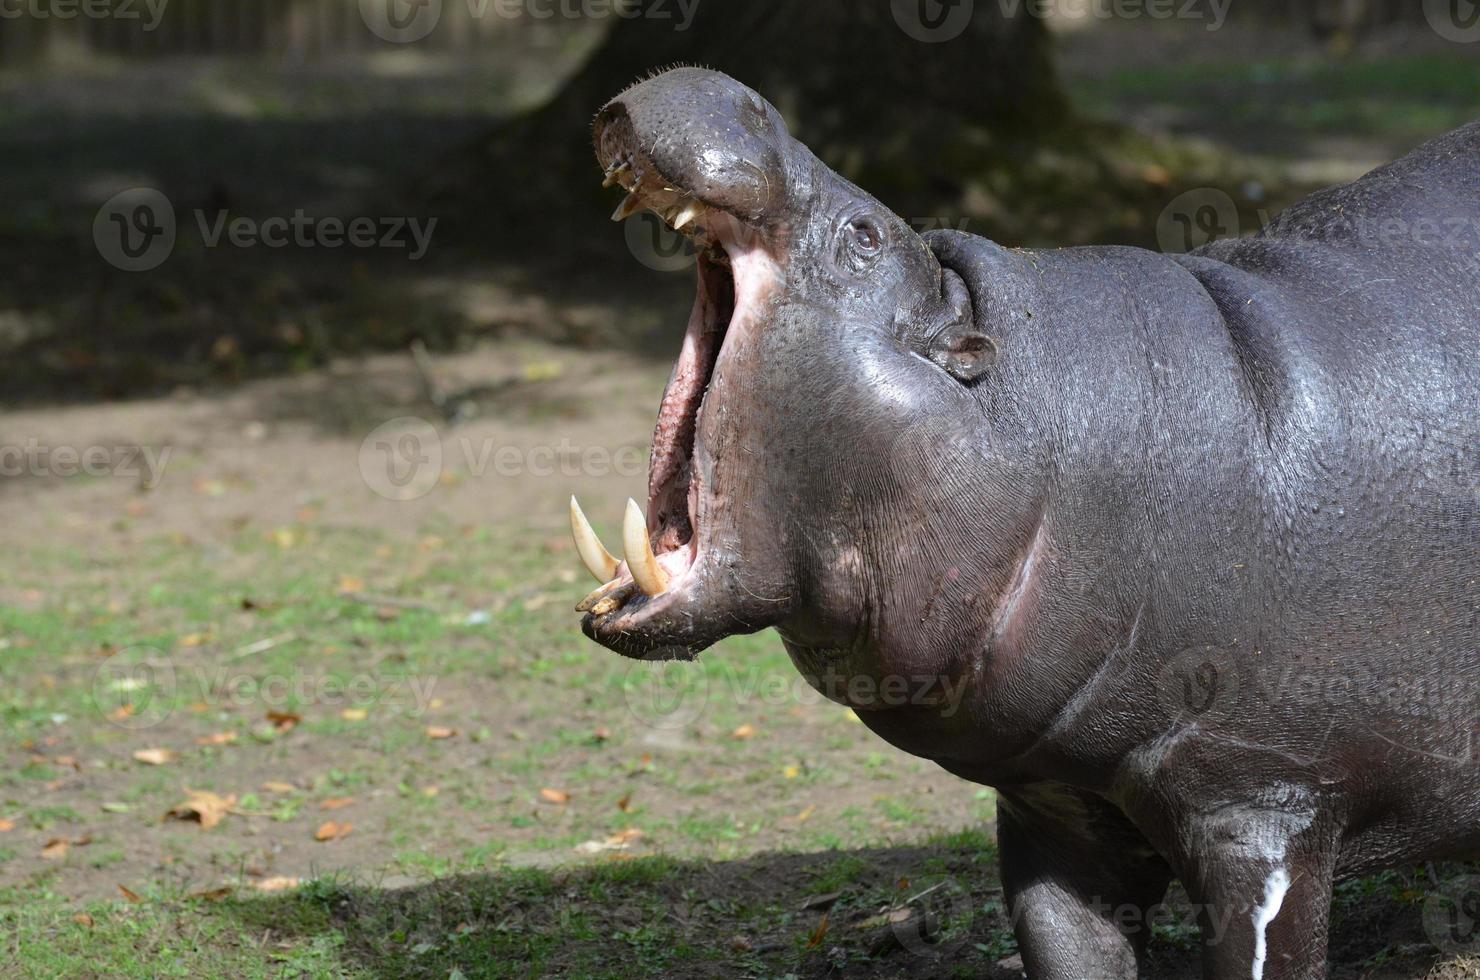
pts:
pixel 892 93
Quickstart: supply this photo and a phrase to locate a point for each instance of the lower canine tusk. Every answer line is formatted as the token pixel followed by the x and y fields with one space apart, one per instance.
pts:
pixel 641 561
pixel 598 561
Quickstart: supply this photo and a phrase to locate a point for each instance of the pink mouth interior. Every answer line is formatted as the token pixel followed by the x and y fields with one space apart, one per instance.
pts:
pixel 735 276
pixel 672 480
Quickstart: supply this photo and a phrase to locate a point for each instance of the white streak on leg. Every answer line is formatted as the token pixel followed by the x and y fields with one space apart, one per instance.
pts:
pixel 1275 887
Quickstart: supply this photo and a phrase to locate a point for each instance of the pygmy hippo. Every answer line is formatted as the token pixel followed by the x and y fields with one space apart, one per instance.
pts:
pixel 1178 553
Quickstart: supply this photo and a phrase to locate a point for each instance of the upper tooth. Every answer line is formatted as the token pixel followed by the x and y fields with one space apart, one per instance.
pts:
pixel 630 205
pixel 615 171
pixel 641 561
pixel 687 214
pixel 594 556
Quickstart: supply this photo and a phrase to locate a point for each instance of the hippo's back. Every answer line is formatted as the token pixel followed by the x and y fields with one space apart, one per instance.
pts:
pixel 1355 323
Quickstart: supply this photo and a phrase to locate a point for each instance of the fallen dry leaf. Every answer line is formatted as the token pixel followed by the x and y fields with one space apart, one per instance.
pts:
pixel 818 934
pixel 559 796
pixel 219 738
pixel 791 772
pixel 6 826
pixel 278 883
pixel 354 714
pixel 330 830
pixel 806 814
pixel 154 757
pixel 204 806
pixel 130 894
pixel 284 721
pixel 438 732
pixel 601 735
pixel 214 894
pixel 744 732
pixel 122 712
pixel 336 803
pixel 56 848
pixel 616 842
pixel 83 919
pixel 350 584
pixel 625 803
pixel 273 786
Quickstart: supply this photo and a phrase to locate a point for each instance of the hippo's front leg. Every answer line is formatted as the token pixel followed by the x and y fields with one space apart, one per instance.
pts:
pixel 1081 884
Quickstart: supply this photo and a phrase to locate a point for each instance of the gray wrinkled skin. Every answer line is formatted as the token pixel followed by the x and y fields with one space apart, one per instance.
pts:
pixel 1183 548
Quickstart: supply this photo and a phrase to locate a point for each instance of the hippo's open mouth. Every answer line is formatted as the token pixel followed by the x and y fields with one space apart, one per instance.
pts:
pixel 654 583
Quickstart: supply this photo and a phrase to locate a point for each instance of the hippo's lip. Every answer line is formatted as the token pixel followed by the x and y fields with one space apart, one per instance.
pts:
pixel 662 578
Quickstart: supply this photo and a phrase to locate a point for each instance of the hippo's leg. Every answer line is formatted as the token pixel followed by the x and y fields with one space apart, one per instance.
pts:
pixel 1081 884
pixel 1261 881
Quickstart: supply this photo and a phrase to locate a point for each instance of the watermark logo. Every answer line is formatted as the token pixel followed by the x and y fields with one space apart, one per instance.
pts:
pixel 401 21
pixel 667 695
pixel 135 229
pixel 1200 685
pixel 932 21
pixel 1451 916
pixel 656 245
pixel 1454 20
pixel 1196 217
pixel 932 916
pixel 135 688
pixel 402 459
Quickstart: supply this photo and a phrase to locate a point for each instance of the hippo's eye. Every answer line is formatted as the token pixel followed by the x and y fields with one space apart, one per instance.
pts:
pixel 860 242
pixel 865 236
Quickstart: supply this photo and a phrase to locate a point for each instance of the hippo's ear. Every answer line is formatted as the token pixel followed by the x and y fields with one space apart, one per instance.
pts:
pixel 947 334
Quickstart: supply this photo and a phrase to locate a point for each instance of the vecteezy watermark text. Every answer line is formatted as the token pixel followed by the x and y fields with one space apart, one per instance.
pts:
pixel 34 458
pixel 86 9
pixel 407 21
pixel 140 687
pixel 405 458
pixel 136 231
pixel 936 21
pixel 307 232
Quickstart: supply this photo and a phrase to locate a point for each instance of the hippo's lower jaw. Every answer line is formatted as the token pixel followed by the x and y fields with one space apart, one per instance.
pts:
pixel 671 596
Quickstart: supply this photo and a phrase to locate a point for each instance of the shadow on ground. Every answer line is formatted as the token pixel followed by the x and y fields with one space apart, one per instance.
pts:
pixel 931 911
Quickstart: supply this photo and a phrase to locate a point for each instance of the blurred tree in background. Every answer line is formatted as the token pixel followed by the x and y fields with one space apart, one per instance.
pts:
pixel 877 90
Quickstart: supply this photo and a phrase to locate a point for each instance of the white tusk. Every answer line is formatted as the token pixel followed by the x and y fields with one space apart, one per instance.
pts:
pixel 690 212
pixel 641 562
pixel 631 204
pixel 594 556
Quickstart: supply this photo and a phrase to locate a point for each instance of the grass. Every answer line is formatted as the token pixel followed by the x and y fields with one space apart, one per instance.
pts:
pixel 293 666
pixel 1401 98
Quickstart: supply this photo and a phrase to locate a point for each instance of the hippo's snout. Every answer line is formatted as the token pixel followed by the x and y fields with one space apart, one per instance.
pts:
pixel 700 136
